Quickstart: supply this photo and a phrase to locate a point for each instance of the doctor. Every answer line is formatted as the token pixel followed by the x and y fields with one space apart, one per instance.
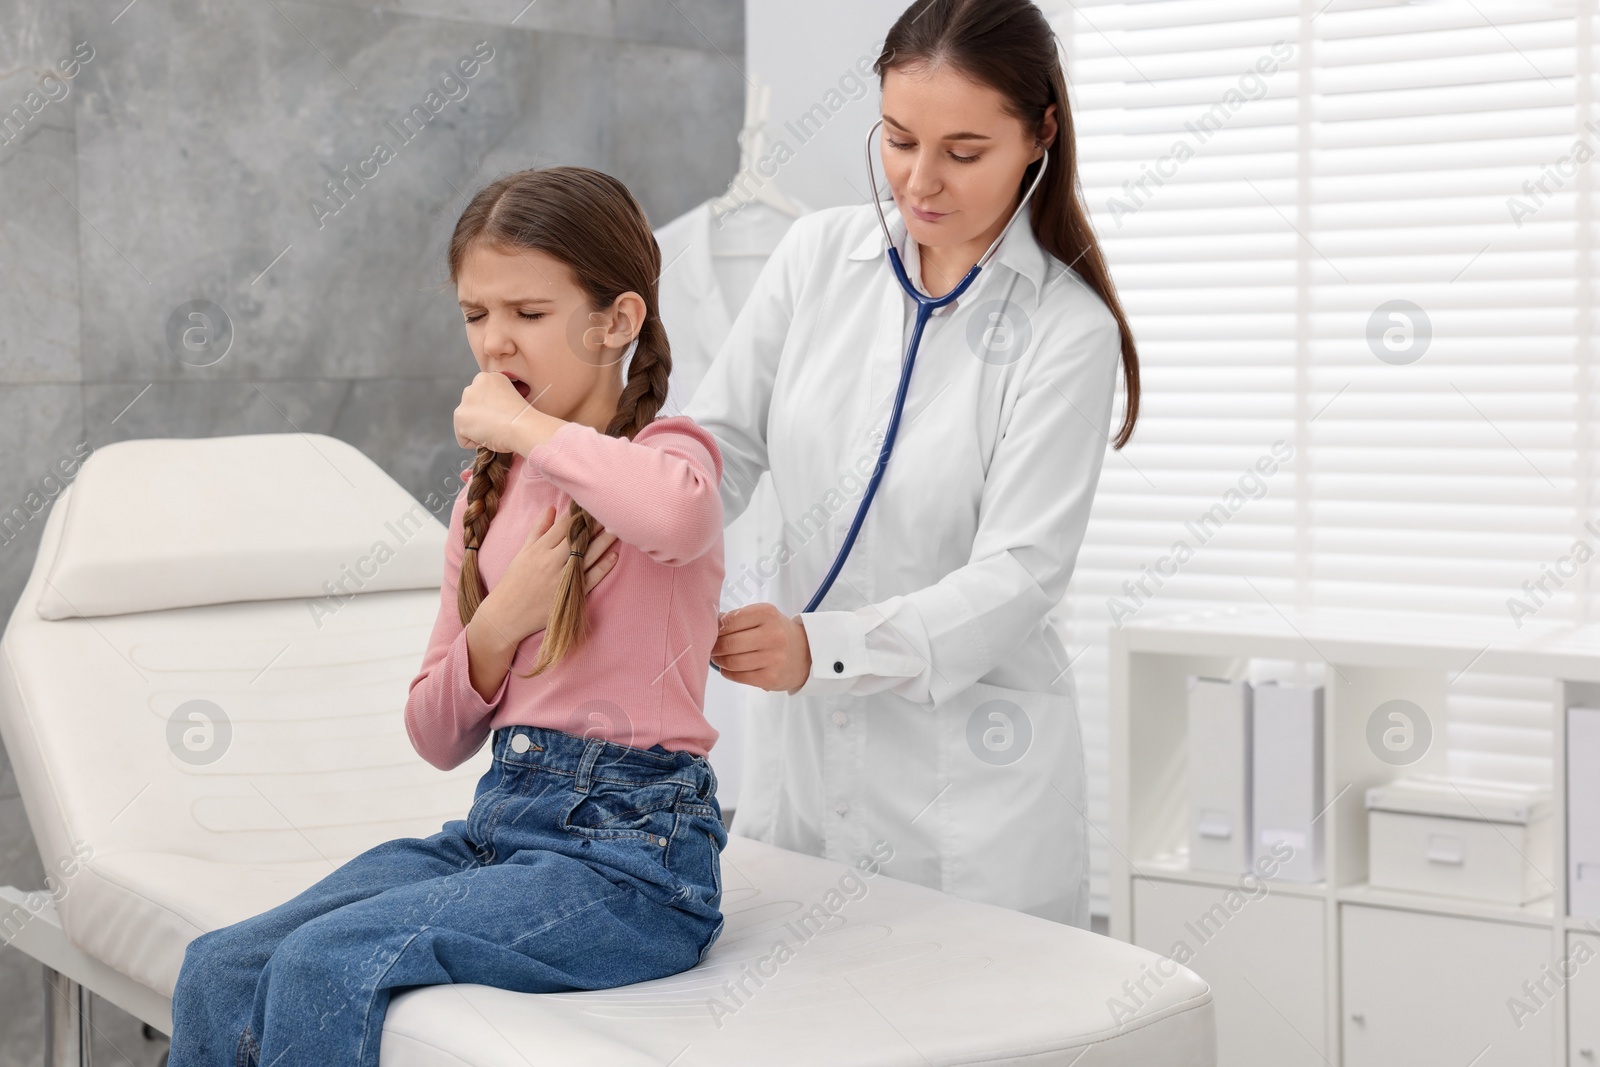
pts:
pixel 926 711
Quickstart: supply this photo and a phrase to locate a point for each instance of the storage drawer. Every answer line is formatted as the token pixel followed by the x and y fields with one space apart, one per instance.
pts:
pixel 1583 1000
pixel 1262 957
pixel 1433 989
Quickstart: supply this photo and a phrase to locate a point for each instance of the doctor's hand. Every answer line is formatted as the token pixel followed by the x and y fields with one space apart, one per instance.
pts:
pixel 760 646
pixel 520 601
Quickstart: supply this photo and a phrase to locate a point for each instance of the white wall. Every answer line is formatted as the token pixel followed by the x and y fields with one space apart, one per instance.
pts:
pixel 808 54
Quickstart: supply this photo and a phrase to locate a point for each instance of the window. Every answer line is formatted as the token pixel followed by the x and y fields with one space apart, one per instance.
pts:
pixel 1353 239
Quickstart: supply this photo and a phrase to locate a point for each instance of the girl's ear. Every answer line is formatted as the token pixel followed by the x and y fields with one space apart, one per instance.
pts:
pixel 628 312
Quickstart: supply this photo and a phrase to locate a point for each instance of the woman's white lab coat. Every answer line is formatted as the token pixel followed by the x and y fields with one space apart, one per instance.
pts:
pixel 940 719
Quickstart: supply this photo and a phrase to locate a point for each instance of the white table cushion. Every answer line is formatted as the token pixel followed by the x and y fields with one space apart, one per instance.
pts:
pixel 318 768
pixel 901 975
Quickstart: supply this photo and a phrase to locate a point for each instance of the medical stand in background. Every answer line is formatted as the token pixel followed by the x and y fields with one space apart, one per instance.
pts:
pixel 752 215
pixel 711 257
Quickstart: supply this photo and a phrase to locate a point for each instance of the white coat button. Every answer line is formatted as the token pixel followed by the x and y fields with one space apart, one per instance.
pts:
pixel 840 718
pixel 838 667
pixel 520 743
pixel 841 807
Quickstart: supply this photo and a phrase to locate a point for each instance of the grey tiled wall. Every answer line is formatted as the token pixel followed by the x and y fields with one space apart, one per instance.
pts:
pixel 181 162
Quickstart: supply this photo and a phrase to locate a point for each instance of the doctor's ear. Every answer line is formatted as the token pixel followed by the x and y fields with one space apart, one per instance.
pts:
pixel 1046 135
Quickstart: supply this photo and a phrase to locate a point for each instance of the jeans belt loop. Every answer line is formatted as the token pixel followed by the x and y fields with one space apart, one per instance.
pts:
pixel 591 753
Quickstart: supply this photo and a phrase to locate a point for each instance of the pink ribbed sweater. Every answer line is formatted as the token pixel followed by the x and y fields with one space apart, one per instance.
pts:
pixel 640 677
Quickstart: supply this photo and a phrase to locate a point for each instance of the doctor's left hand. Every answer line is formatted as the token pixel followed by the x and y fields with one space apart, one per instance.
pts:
pixel 761 646
pixel 493 415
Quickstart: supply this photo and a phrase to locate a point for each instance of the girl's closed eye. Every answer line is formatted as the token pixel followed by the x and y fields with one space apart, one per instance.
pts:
pixel 532 316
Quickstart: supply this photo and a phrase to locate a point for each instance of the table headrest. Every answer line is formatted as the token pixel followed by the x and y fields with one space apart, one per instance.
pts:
pixel 163 523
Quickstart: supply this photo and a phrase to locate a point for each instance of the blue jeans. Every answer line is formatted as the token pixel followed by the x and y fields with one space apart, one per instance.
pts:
pixel 583 864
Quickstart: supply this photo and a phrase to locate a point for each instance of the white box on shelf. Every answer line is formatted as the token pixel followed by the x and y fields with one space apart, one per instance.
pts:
pixel 1286 791
pixel 1219 713
pixel 1460 837
pixel 1583 812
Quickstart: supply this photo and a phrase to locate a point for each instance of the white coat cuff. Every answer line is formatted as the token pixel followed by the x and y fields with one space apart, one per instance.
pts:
pixel 838 641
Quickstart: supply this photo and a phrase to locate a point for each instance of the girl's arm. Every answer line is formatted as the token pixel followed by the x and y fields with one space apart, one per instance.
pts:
pixel 490 651
pixel 447 714
pixel 658 492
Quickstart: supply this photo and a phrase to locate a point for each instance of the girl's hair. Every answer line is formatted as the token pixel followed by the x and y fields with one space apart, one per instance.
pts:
pixel 589 221
pixel 1009 46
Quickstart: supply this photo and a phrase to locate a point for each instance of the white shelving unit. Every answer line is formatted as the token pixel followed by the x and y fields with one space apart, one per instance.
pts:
pixel 1338 972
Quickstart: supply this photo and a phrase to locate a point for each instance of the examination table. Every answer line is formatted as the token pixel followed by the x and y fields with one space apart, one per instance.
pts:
pixel 201 691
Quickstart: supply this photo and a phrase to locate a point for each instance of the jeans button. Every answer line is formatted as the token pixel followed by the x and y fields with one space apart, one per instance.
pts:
pixel 520 743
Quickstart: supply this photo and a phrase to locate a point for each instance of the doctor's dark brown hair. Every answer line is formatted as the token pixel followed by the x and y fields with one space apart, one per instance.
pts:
pixel 589 221
pixel 1009 46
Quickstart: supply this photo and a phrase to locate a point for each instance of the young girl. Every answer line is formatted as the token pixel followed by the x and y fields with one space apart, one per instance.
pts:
pixel 591 856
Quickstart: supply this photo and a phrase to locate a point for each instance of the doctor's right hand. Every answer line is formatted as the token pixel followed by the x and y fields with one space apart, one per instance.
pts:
pixel 521 600
pixel 761 646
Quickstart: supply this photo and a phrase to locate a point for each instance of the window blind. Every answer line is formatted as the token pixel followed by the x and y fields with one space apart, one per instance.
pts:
pixel 1353 240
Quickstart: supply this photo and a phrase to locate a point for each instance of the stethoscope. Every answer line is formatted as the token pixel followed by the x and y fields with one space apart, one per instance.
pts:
pixel 926 306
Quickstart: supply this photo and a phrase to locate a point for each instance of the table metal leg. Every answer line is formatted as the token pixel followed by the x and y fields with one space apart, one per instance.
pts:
pixel 67 1021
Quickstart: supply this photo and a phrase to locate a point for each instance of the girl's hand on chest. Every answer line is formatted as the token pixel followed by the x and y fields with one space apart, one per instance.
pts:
pixel 524 594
